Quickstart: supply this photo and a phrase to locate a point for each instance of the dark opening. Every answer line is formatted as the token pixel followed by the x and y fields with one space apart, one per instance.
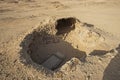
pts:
pixel 65 25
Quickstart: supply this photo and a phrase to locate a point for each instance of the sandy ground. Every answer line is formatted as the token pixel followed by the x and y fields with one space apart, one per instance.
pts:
pixel 19 17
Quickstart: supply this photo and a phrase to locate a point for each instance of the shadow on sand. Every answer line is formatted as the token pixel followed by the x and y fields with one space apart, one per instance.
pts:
pixel 112 72
pixel 98 52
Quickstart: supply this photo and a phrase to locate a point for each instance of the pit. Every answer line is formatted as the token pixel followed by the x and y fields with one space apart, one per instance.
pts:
pixel 46 47
pixel 65 25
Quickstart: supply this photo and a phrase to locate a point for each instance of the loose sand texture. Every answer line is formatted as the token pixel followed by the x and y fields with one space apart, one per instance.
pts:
pixel 59 40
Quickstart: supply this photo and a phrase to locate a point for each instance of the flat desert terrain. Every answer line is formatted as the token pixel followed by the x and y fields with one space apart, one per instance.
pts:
pixel 59 39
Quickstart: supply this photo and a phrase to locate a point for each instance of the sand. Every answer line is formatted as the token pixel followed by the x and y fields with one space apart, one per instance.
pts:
pixel 88 42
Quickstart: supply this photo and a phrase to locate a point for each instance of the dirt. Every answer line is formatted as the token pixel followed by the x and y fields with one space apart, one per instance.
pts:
pixel 59 40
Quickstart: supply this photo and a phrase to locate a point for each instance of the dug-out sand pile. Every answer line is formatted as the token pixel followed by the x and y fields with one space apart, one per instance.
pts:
pixel 53 44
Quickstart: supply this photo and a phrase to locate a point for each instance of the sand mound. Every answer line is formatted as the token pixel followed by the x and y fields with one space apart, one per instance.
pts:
pixel 59 41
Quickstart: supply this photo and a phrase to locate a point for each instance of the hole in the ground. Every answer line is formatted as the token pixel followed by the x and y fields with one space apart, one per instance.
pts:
pixel 65 25
pixel 49 50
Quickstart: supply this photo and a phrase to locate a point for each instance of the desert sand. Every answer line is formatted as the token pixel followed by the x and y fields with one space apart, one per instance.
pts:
pixel 59 40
